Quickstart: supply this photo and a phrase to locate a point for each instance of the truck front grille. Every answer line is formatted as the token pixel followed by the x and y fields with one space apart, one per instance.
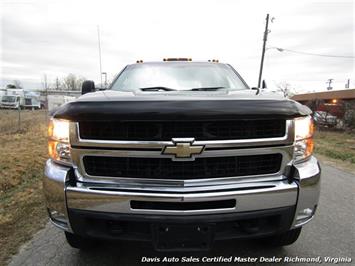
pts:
pixel 165 168
pixel 166 130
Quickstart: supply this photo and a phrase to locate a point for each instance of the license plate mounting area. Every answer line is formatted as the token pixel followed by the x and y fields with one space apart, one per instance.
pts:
pixel 179 237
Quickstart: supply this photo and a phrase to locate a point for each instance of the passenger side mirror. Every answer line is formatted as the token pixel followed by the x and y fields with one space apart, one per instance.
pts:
pixel 88 86
pixel 264 85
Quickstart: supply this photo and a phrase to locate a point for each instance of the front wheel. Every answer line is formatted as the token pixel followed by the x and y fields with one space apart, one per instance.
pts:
pixel 79 242
pixel 284 239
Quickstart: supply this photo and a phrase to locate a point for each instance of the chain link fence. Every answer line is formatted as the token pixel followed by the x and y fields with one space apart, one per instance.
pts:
pixel 19 120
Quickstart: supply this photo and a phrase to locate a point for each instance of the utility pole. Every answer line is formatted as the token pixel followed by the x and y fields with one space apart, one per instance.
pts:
pixel 105 84
pixel 98 38
pixel 266 32
pixel 19 117
pixel 46 89
pixel 329 84
pixel 347 85
pixel 57 83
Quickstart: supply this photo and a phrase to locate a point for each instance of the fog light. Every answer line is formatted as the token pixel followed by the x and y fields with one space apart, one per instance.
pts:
pixel 303 149
pixel 303 216
pixel 63 151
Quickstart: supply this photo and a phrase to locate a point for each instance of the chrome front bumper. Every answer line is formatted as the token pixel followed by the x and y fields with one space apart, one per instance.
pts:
pixel 302 192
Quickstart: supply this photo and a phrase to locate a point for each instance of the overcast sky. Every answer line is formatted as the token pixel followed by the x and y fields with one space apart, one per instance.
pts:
pixel 60 37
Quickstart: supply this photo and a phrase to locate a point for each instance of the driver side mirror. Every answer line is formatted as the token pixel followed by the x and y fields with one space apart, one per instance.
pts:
pixel 88 86
pixel 257 90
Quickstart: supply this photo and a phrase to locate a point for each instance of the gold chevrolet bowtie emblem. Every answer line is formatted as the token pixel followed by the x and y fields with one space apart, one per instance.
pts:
pixel 183 149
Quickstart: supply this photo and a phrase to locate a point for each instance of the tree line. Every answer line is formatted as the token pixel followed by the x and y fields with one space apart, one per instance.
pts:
pixel 70 82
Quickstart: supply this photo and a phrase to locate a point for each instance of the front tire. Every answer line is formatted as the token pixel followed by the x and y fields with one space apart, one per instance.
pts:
pixel 284 239
pixel 79 242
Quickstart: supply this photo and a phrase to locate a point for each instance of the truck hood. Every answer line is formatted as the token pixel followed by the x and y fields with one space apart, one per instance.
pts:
pixel 152 106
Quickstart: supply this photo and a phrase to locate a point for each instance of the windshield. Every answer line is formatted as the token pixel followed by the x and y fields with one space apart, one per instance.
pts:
pixel 178 76
pixel 8 99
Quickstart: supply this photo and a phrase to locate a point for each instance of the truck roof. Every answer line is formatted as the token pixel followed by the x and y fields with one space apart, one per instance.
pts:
pixel 176 63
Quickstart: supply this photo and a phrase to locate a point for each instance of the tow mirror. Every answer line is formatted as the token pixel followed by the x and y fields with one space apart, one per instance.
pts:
pixel 88 86
pixel 264 85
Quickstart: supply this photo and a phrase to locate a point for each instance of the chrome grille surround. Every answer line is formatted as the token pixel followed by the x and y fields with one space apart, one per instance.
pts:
pixel 153 149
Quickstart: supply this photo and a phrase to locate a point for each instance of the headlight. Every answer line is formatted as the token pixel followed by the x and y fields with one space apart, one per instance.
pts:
pixel 304 145
pixel 58 140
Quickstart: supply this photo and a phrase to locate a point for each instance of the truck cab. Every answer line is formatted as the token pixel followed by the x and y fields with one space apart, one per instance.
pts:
pixel 13 98
pixel 10 102
pixel 181 154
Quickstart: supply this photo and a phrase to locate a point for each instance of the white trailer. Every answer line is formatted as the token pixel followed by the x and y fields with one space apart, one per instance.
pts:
pixel 2 92
pixel 55 101
pixel 32 100
pixel 14 98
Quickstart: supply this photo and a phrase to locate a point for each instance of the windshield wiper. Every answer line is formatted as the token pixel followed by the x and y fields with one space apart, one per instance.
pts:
pixel 207 89
pixel 158 88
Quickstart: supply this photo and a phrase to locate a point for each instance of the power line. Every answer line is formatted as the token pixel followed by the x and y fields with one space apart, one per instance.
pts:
pixel 314 54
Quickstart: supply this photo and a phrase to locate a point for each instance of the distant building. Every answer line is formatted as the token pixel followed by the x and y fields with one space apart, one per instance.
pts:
pixel 60 92
pixel 330 101
pixel 348 94
pixel 51 99
pixel 55 101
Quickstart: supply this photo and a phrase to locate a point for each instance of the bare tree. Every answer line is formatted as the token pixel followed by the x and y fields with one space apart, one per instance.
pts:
pixel 79 82
pixel 72 82
pixel 16 84
pixel 285 88
pixel 315 104
pixel 57 84
pixel 349 115
pixel 68 82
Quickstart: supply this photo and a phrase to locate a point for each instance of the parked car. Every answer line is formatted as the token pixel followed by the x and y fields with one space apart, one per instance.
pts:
pixel 322 118
pixel 181 154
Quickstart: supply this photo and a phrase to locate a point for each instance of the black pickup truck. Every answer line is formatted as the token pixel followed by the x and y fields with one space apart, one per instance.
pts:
pixel 181 154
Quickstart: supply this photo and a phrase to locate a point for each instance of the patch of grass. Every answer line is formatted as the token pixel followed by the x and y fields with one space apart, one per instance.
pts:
pixel 336 145
pixel 22 157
